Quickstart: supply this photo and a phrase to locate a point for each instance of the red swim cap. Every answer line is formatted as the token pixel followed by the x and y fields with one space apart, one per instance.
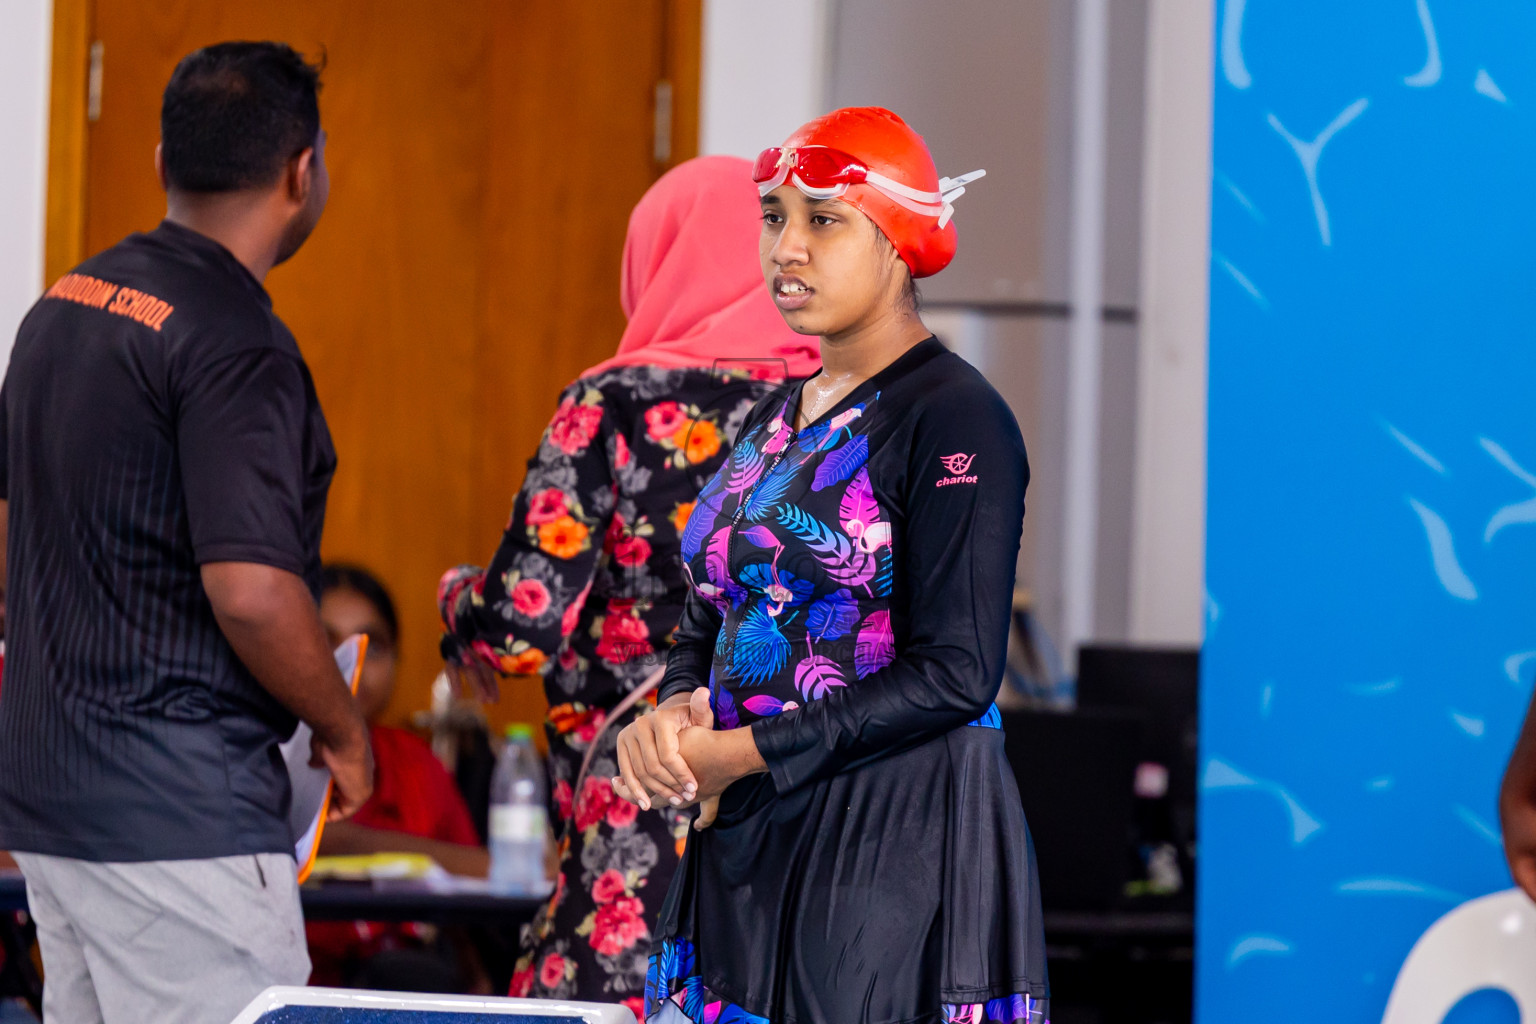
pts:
pixel 902 192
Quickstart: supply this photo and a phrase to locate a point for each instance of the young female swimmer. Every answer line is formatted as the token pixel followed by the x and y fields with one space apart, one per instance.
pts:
pixel 851 570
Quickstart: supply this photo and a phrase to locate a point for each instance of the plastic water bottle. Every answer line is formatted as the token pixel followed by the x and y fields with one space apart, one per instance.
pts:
pixel 518 817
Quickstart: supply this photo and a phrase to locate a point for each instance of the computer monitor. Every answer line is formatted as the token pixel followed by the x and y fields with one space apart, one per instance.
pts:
pixel 1076 774
pixel 1162 684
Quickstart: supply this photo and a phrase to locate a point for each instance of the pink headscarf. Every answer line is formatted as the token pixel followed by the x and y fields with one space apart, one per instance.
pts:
pixel 692 286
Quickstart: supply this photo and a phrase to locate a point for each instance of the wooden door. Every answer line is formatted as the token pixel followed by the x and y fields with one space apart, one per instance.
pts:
pixel 484 158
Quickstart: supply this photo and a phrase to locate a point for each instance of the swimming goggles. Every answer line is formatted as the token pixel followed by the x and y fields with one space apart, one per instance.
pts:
pixel 825 173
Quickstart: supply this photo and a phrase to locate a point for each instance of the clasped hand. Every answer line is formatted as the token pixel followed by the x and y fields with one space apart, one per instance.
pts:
pixel 667 755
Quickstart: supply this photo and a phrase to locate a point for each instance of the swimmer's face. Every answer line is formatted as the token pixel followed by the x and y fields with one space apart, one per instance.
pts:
pixel 345 612
pixel 828 267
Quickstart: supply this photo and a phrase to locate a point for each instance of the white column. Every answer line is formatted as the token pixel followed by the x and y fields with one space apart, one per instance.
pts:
pixel 1168 542
pixel 1085 339
pixel 25 45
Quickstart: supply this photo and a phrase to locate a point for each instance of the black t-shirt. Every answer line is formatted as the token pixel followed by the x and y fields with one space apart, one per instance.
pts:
pixel 156 416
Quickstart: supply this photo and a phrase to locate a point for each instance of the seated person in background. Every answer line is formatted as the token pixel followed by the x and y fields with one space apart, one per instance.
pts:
pixel 415 808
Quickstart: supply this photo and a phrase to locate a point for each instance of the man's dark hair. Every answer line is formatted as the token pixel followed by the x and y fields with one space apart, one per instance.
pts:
pixel 235 113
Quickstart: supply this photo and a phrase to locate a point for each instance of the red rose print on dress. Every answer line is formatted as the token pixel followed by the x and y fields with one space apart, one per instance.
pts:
pixel 631 551
pixel 586 732
pixel 563 799
pixel 592 805
pixel 522 983
pixel 530 599
pixel 552 970
pixel 621 814
pixel 663 420
pixel 574 426
pixel 547 506
pixel 608 887
pixel 618 926
pixel 624 637
pixel 573 611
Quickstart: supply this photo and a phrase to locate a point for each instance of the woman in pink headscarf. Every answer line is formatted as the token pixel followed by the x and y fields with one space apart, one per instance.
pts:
pixel 587 585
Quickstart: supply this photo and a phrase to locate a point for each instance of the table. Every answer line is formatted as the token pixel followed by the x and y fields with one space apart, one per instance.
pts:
pixel 394 900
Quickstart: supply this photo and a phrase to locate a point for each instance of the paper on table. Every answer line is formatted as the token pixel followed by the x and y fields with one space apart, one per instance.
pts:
pixel 312 786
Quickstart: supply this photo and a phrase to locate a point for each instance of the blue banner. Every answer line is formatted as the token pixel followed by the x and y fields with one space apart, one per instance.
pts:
pixel 1371 564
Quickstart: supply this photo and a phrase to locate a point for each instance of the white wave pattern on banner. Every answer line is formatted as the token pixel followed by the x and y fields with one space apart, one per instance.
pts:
pixel 1429 74
pixel 1398 887
pixel 1239 196
pixel 1221 775
pixel 1515 664
pixel 1232 65
pixel 1469 724
pixel 1485 85
pixel 1415 449
pixel 1475 822
pixel 1309 153
pixel 1255 945
pixel 1520 512
pixel 1375 689
pixel 1442 552
pixel 1241 278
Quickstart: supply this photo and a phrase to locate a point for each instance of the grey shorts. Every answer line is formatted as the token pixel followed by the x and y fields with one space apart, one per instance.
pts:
pixel 174 942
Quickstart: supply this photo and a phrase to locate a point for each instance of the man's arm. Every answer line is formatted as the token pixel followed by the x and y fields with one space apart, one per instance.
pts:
pixel 271 621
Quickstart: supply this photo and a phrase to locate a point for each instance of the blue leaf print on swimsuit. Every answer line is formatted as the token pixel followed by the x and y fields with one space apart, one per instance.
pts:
pixel 769 492
pixel 760 650
pixel 705 511
pixel 745 466
pixel 841 464
pixel 811 437
pixel 833 616
pixel 693 997
pixel 843 559
pixel 884 573
pixel 723 704
pixel 761 576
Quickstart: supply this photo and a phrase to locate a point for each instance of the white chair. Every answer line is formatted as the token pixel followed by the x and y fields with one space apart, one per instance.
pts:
pixel 1489 942
pixel 518 1011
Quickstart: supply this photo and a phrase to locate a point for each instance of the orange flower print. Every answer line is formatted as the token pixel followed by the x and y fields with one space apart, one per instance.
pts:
pixel 698 439
pixel 563 538
pixel 680 515
pixel 526 662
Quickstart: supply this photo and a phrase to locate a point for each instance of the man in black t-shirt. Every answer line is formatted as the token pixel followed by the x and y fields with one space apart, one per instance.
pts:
pixel 164 466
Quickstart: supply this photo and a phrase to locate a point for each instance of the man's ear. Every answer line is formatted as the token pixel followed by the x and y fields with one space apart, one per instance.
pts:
pixel 301 175
pixel 160 166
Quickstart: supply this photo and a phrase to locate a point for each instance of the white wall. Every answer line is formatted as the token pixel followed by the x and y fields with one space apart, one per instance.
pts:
pixel 1168 541
pixel 25 43
pixel 764 73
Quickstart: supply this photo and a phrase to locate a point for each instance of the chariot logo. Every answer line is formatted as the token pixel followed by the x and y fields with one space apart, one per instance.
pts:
pixel 956 464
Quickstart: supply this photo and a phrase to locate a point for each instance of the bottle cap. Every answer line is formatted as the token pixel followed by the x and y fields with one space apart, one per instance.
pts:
pixel 520 731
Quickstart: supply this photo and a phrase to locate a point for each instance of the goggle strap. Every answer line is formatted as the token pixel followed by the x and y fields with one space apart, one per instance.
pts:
pixel 947 185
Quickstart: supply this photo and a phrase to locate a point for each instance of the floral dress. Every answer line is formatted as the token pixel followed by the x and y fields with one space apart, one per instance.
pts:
pixel 851 590
pixel 586 588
